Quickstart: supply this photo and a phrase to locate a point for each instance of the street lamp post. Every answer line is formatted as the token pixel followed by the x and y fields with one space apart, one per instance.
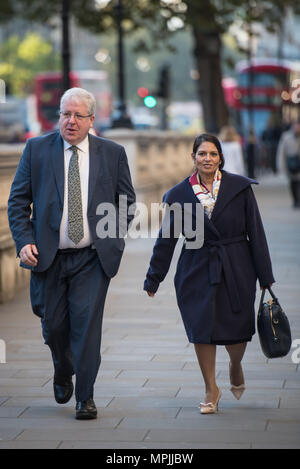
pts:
pixel 122 119
pixel 65 45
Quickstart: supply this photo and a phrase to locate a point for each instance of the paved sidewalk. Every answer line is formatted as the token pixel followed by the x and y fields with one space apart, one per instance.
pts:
pixel 149 384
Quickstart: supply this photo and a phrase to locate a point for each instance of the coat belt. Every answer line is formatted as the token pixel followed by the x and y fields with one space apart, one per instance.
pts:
pixel 218 259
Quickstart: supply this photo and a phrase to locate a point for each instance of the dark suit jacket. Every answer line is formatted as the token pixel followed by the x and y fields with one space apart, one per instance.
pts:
pixel 39 181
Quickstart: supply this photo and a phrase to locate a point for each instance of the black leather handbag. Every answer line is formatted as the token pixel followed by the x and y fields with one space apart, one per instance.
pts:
pixel 273 327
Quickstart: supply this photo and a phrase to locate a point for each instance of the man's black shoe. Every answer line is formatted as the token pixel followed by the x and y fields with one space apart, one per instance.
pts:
pixel 86 410
pixel 63 390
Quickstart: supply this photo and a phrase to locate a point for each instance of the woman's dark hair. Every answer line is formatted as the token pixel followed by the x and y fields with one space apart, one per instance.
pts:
pixel 212 139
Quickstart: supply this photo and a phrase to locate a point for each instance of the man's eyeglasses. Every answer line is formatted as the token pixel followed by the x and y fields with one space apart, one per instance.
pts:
pixel 67 115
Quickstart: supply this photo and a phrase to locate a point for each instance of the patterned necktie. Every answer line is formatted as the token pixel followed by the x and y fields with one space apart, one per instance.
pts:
pixel 75 219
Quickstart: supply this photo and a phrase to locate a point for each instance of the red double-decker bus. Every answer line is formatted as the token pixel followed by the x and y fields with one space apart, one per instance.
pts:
pixel 262 93
pixel 48 91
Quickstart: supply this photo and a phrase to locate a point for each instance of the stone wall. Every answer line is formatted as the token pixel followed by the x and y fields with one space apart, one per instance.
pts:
pixel 12 277
pixel 158 160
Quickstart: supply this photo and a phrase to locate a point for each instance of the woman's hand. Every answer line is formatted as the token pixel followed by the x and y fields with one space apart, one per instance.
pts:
pixel 150 293
pixel 269 286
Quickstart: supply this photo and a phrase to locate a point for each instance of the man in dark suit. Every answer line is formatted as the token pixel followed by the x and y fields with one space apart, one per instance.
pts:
pixel 66 176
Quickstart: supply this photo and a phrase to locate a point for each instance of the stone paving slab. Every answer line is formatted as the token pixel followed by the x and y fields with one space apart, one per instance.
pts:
pixel 90 433
pixel 150 445
pixel 15 444
pixel 11 412
pixel 221 436
pixel 65 415
pixel 30 403
pixel 7 434
pixel 228 423
pixel 149 384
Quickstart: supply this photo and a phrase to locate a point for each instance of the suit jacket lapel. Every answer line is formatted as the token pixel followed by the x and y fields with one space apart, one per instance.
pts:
pixel 95 152
pixel 57 158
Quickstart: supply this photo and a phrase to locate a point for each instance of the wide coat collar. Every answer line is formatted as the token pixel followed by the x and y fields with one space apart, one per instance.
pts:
pixel 231 185
pixel 57 158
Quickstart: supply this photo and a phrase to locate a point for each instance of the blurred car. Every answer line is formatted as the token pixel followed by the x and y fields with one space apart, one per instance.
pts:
pixel 142 118
pixel 15 126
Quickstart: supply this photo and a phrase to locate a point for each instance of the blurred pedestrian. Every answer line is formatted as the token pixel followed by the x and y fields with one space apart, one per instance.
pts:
pixel 270 138
pixel 288 156
pixel 252 152
pixel 66 175
pixel 216 283
pixel 232 150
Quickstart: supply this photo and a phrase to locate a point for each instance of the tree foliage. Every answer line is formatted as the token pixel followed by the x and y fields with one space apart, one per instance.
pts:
pixel 98 15
pixel 22 59
pixel 207 20
pixel 155 15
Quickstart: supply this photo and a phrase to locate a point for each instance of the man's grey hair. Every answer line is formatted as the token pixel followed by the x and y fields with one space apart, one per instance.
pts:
pixel 80 94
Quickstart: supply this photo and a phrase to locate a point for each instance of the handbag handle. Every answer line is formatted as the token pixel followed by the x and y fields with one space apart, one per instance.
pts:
pixel 263 295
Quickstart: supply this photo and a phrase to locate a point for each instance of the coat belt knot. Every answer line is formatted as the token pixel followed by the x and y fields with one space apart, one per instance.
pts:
pixel 218 260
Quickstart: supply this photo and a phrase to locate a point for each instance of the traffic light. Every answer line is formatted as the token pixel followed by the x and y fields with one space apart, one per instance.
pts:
pixel 149 100
pixel 164 82
pixel 143 92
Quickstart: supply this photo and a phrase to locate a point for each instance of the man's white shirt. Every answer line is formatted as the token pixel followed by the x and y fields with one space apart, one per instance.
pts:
pixel 84 165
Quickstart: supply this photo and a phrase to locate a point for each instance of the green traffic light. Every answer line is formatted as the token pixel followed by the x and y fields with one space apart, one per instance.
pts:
pixel 150 101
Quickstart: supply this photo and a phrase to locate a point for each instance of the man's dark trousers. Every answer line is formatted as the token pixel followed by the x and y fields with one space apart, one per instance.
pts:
pixel 69 297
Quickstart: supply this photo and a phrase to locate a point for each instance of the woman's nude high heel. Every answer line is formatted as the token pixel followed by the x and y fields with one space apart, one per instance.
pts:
pixel 237 391
pixel 210 407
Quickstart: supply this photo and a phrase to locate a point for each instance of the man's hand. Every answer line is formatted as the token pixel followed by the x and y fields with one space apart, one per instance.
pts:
pixel 28 255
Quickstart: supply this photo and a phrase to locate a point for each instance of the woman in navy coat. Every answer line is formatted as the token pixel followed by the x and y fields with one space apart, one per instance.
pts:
pixel 216 283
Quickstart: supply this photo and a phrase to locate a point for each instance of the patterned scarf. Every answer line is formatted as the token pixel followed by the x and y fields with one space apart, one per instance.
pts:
pixel 206 198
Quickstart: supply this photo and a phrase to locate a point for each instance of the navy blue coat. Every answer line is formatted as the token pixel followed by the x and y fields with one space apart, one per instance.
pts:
pixel 216 284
